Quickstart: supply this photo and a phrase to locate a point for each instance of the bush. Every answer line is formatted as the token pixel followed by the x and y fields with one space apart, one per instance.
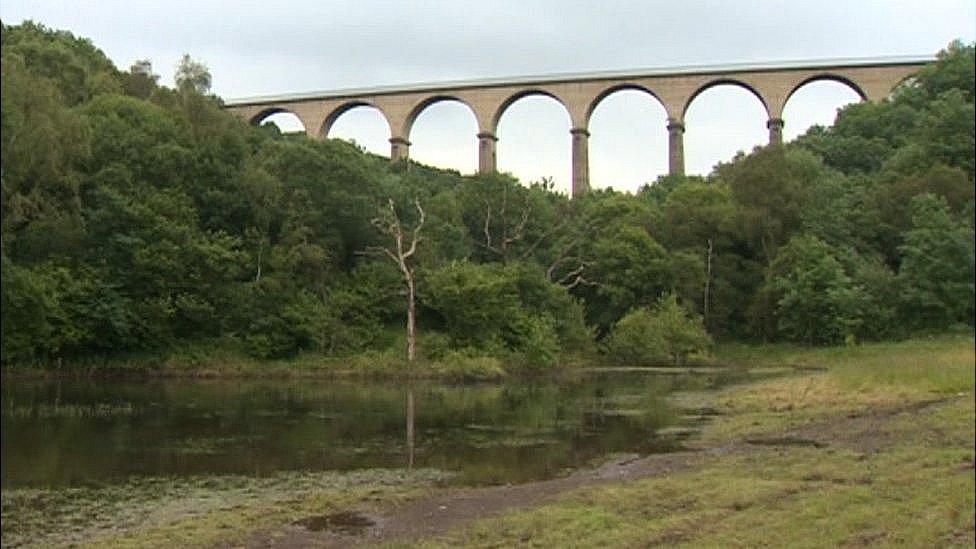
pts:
pixel 937 268
pixel 668 332
pixel 816 302
pixel 477 302
pixel 539 343
pixel 271 337
pixel 432 345
pixel 506 310
pixel 463 365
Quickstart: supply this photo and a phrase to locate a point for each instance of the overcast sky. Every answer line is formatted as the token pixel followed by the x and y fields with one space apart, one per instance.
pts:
pixel 262 47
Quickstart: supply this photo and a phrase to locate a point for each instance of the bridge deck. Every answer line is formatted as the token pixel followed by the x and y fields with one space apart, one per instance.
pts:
pixel 453 85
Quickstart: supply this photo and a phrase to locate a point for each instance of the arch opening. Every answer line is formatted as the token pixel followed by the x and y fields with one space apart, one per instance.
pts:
pixel 725 83
pixel 816 102
pixel 285 120
pixel 534 140
pixel 720 121
pixel 361 124
pixel 628 139
pixel 443 132
pixel 514 98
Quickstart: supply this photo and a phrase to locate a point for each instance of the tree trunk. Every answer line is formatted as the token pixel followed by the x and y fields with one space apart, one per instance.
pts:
pixel 411 319
pixel 257 277
pixel 390 224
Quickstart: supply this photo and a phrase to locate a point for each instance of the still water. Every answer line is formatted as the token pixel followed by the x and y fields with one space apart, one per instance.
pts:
pixel 57 433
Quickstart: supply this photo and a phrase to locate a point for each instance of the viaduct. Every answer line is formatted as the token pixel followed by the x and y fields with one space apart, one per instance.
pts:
pixel 675 88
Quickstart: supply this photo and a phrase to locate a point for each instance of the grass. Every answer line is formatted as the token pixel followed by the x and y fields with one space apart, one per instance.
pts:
pixel 907 480
pixel 194 511
pixel 919 497
pixel 853 380
pixel 227 359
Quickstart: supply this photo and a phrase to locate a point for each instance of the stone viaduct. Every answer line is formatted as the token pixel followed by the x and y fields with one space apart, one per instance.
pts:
pixel 675 88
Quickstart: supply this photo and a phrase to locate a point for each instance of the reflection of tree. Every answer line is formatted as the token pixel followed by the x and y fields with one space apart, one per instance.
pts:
pixel 410 420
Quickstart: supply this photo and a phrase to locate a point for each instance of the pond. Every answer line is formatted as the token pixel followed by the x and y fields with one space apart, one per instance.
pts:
pixel 66 433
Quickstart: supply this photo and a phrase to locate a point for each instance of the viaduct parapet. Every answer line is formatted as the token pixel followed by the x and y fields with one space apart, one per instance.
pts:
pixel 675 88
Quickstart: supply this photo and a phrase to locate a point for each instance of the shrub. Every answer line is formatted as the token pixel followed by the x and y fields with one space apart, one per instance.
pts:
pixel 816 302
pixel 271 337
pixel 668 332
pixel 937 268
pixel 539 345
pixel 506 310
pixel 463 365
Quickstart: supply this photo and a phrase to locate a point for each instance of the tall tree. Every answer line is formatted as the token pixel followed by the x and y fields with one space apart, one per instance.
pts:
pixel 192 75
pixel 401 253
pixel 938 266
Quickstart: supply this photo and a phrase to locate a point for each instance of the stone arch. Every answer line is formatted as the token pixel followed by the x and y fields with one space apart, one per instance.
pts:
pixel 346 107
pixel 837 93
pixel 264 114
pixel 725 82
pixel 429 101
pixel 521 94
pixel 542 148
pixel 829 77
pixel 714 132
pixel 448 137
pixel 645 147
pixel 905 80
pixel 614 89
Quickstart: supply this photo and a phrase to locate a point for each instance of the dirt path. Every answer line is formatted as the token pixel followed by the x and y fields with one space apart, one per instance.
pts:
pixel 442 512
pixel 438 514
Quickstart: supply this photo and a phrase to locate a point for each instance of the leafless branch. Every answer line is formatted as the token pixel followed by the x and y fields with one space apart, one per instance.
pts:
pixel 575 278
pixel 562 257
pixel 487 227
pixel 416 230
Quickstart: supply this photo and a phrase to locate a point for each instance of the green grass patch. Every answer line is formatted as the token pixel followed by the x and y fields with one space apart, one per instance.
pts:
pixel 919 494
pixel 915 489
pixel 848 380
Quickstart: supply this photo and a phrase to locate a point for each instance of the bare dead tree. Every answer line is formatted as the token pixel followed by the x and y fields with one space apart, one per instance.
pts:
pixel 569 266
pixel 512 231
pixel 401 253
pixel 564 256
pixel 509 235
pixel 504 230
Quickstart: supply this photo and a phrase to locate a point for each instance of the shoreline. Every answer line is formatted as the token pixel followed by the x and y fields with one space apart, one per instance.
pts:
pixel 877 433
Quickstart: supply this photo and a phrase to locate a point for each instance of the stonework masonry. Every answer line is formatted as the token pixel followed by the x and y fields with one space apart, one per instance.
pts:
pixel 675 89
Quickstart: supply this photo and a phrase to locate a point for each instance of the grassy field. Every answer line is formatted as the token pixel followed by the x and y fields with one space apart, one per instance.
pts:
pixel 892 463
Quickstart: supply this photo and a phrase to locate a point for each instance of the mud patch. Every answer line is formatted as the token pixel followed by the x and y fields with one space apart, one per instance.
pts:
pixel 343 522
pixel 786 441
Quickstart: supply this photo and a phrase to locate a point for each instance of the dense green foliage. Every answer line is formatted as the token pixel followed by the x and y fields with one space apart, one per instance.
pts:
pixel 138 219
pixel 666 333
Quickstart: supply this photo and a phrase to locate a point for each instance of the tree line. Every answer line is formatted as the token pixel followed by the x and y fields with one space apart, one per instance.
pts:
pixel 139 218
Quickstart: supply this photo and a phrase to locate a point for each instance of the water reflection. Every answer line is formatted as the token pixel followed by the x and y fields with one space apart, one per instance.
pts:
pixel 70 432
pixel 410 416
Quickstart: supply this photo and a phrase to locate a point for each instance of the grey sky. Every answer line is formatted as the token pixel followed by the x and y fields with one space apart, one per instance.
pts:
pixel 261 47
